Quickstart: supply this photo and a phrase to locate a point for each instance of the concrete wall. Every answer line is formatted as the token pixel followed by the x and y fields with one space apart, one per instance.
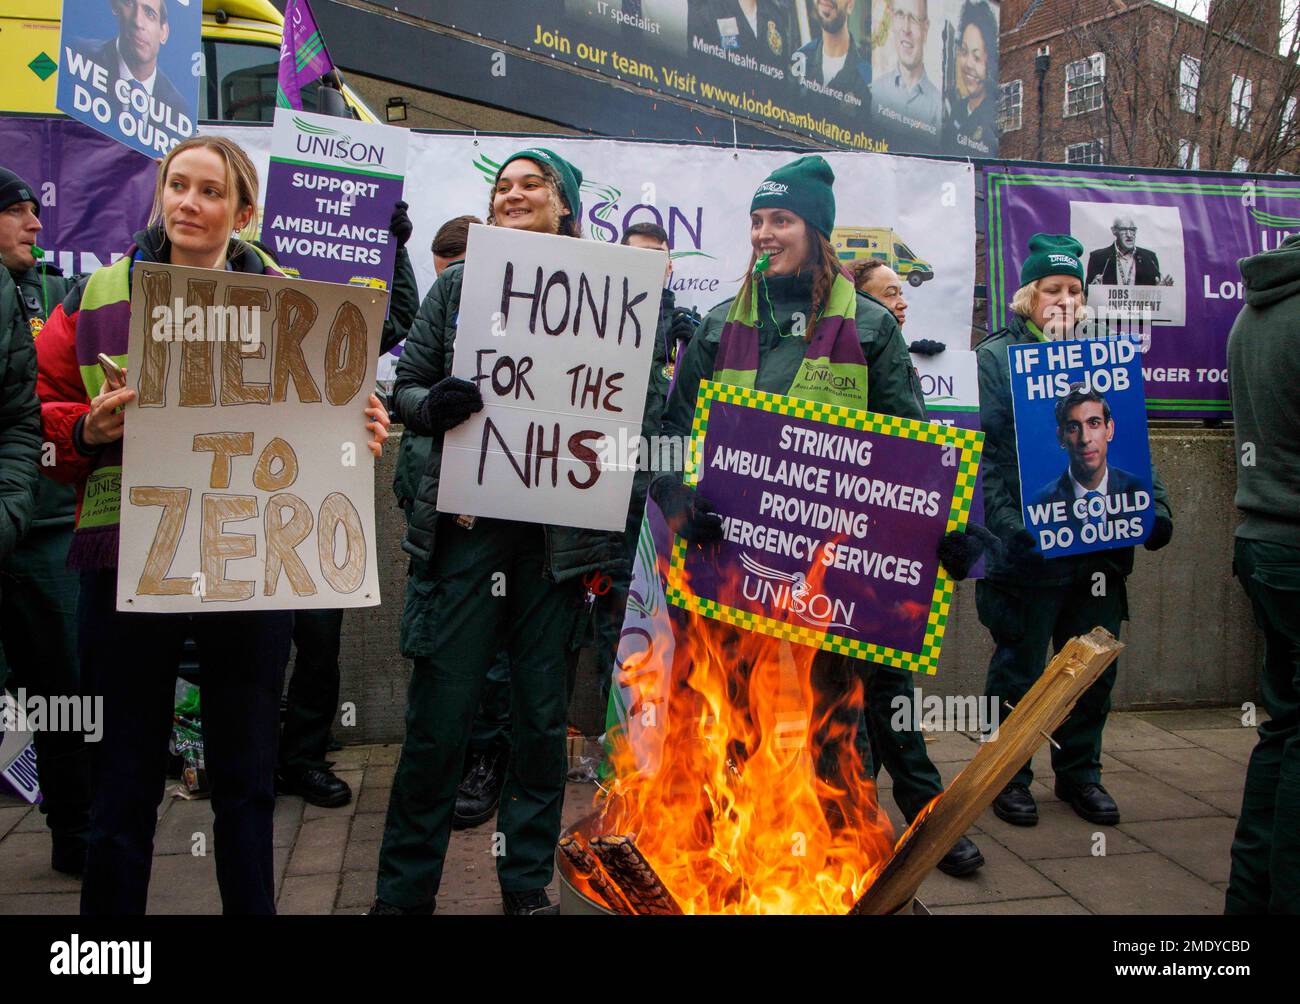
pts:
pixel 1191 639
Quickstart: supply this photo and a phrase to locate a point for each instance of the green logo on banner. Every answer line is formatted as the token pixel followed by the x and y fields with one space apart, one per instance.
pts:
pixel 43 66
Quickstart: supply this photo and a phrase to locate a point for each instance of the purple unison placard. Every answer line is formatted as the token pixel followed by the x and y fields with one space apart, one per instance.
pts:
pixel 330 191
pixel 832 519
pixel 1159 247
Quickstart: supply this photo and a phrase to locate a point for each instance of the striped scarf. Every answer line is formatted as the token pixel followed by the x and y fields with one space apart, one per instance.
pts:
pixel 833 371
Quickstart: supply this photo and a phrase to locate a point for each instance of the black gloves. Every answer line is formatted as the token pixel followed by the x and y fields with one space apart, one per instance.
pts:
pixel 959 551
pixel 926 347
pixel 1021 555
pixel 400 226
pixel 449 402
pixel 1161 534
pixel 687 514
pixel 683 325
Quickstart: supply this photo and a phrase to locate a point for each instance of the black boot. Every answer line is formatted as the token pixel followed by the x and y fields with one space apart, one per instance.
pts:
pixel 533 903
pixel 1091 801
pixel 319 787
pixel 1016 805
pixel 963 859
pixel 480 790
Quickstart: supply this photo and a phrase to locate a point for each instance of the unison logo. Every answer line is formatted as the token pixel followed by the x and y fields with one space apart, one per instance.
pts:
pixel 321 141
pixel 792 591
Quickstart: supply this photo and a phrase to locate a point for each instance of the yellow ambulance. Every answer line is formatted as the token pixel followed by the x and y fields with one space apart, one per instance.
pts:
pixel 855 243
pixel 241 51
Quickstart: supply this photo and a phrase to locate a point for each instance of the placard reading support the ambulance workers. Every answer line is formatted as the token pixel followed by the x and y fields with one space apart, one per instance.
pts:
pixel 330 191
pixel 246 479
pixel 1081 433
pixel 558 335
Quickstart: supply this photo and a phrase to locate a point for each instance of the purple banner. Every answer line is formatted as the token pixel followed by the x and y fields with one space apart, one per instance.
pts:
pixel 1161 253
pixel 95 193
pixel 303 56
pixel 832 521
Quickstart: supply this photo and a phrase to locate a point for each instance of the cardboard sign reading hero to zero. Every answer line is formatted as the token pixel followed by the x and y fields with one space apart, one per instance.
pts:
pixel 330 191
pixel 246 479
pixel 131 69
pixel 558 335
pixel 832 519
pixel 1081 433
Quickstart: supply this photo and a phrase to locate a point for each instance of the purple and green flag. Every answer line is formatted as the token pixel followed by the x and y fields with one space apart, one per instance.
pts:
pixel 303 56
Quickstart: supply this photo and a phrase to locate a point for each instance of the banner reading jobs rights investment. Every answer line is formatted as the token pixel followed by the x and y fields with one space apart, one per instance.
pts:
pixel 1161 252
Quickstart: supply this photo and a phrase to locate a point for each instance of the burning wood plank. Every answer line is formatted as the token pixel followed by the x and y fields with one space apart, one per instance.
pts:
pixel 1041 711
pixel 633 875
pixel 586 866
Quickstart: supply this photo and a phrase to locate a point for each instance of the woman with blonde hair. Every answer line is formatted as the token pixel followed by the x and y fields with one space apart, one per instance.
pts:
pixel 1029 602
pixel 206 190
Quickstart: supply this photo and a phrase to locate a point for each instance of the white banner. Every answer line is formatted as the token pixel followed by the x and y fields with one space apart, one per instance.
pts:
pixel 557 334
pixel 918 214
pixel 246 479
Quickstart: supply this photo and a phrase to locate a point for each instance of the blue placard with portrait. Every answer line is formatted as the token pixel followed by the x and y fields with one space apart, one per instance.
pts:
pixel 1081 433
pixel 131 69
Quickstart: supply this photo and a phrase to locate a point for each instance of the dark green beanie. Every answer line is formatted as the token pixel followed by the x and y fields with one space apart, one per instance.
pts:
pixel 14 189
pixel 804 188
pixel 570 176
pixel 1052 254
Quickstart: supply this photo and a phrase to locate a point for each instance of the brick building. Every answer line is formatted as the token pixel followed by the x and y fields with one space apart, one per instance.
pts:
pixel 1136 82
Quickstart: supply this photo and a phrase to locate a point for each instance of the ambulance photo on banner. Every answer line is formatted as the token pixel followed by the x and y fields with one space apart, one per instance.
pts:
pixel 131 69
pixel 1161 252
pixel 1081 434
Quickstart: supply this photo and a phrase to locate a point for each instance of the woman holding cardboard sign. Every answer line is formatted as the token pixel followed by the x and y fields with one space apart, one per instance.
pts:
pixel 1026 601
pixel 206 188
pixel 475 585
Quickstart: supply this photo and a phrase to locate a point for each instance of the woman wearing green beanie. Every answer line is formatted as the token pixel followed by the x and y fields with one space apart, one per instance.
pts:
pixel 796 318
pixel 476 587
pixel 1026 601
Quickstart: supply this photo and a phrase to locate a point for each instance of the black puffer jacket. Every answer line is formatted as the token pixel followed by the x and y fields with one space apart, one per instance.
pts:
pixel 20 419
pixel 427 359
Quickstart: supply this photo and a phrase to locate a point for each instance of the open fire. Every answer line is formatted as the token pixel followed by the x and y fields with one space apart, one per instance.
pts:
pixel 746 792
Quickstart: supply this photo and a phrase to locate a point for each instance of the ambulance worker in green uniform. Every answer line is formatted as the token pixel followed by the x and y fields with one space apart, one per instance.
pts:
pixel 38 594
pixel 1026 601
pixel 456 620
pixel 796 316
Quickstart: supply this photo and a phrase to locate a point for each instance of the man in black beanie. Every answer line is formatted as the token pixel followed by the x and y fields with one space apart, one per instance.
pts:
pixel 38 595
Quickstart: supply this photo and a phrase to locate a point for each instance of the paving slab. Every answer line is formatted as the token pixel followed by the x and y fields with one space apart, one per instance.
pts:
pixel 1228 800
pixel 356 891
pixel 184 884
pixel 41 904
pixel 308 894
pixel 288 814
pixel 1199 845
pixel 319 855
pixel 368 826
pixel 1003 877
pixel 1235 744
pixel 1193 718
pixel 1189 770
pixel 1044 906
pixel 12 815
pixel 385 754
pixel 942 747
pixel 1130 732
pixel 25 866
pixel 1146 883
pixel 361 855
pixel 1059 834
pixel 372 798
pixel 1141 797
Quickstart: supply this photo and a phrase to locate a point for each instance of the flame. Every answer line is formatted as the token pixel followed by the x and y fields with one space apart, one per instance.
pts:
pixel 743 783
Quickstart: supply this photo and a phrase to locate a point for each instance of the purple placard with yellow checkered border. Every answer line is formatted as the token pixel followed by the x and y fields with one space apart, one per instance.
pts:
pixel 832 520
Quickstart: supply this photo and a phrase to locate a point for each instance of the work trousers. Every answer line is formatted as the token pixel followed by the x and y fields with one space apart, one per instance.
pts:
pixel 130 661
pixel 484 587
pixel 1265 875
pixel 899 751
pixel 38 625
pixel 313 698
pixel 1024 622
